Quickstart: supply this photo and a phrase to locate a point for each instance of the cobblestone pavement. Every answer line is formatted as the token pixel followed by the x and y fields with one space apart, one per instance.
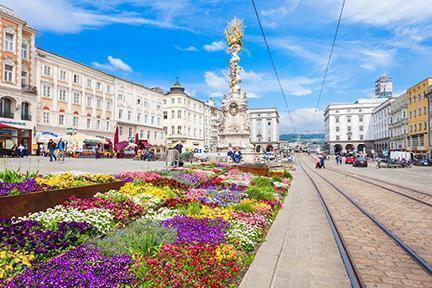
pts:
pixel 299 250
pixel 380 262
pixel 109 166
pixel 410 220
pixel 417 177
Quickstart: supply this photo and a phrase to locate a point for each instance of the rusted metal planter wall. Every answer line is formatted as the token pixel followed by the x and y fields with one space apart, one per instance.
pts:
pixel 260 171
pixel 21 205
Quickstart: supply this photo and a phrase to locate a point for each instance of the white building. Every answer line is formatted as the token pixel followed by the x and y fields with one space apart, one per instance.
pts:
pixel 399 124
pixel 380 126
pixel 138 110
pixel 73 96
pixel 18 94
pixel 264 127
pixel 183 118
pixel 211 117
pixel 383 87
pixel 347 126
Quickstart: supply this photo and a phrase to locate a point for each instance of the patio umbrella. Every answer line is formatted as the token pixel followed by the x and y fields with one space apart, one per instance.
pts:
pixel 2 125
pixel 136 139
pixel 121 145
pixel 116 139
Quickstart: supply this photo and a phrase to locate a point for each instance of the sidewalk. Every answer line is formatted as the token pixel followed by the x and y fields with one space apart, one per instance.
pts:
pixel 299 250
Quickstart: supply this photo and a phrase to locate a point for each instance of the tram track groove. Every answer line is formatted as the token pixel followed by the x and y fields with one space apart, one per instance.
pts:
pixel 372 266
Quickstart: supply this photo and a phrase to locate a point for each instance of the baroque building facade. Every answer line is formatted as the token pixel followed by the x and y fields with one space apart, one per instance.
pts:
pixel 18 94
pixel 380 124
pixel 264 128
pixel 398 123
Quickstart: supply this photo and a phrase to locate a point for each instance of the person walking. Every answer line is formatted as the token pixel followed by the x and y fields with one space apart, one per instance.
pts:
pixel 322 159
pixel 61 146
pixel 51 148
pixel 97 151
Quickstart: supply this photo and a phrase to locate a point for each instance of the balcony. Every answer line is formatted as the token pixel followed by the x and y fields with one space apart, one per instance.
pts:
pixel 28 89
pixel 26 117
pixel 5 114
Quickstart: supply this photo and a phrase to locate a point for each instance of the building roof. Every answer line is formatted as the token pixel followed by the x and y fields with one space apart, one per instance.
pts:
pixel 11 14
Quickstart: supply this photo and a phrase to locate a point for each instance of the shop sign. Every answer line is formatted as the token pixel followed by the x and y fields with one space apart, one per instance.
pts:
pixel 14 123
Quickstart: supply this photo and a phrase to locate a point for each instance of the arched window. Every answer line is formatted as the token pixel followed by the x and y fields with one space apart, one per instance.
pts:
pixel 6 108
pixel 25 111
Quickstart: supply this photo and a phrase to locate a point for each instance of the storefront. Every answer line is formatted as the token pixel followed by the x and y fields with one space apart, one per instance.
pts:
pixel 12 135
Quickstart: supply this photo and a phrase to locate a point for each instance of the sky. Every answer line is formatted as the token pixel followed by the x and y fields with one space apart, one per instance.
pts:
pixel 154 41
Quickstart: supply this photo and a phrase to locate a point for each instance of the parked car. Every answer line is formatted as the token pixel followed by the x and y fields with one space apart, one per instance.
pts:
pixel 349 160
pixel 360 162
pixel 422 162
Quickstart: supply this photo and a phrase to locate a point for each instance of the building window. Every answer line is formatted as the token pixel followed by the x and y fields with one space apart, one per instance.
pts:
pixel 361 118
pixel 337 129
pixel 337 137
pixel 76 98
pixel 9 42
pixel 23 78
pixel 141 135
pixel 108 89
pixel 108 105
pixel 152 120
pixel 88 123
pixel 419 111
pixel 62 95
pixel 172 130
pixel 361 136
pixel 349 119
pixel 148 134
pixel 61 119
pixel 425 126
pixel 24 50
pixel 337 119
pixel 165 115
pixel 120 97
pixel 76 79
pixel 108 124
pixel 179 129
pixel 155 134
pixel 8 73
pixel 129 115
pixel 89 100
pixel 98 124
pixel 121 130
pixel 349 128
pixel 99 102
pixel 62 75
pixel 89 83
pixel 138 117
pixel 46 91
pixel 138 101
pixel 172 114
pixel 179 114
pixel 172 100
pixel 46 117
pixel 120 114
pixel 158 121
pixel 99 86
pixel 179 100
pixel 47 70
pixel 145 118
pixel 75 121
pixel 130 132
pixel 415 113
pixel 361 128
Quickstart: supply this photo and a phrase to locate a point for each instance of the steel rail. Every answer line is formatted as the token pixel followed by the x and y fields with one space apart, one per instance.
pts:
pixel 420 261
pixel 359 177
pixel 350 268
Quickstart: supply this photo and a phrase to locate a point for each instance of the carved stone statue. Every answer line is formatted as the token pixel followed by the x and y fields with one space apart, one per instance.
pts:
pixel 234 125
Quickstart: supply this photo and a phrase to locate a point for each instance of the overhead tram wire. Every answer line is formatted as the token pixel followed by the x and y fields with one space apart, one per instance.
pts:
pixel 328 62
pixel 273 64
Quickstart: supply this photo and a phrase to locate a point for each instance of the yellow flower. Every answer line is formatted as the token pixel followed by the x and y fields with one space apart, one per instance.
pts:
pixel 226 252
pixel 215 212
pixel 136 188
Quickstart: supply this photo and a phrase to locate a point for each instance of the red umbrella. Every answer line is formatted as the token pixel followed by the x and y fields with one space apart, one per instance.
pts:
pixel 136 139
pixel 116 139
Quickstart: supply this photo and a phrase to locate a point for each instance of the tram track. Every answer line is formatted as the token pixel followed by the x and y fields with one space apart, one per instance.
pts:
pixel 376 256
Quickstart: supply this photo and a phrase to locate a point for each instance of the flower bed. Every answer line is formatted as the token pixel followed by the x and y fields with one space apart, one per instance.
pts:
pixel 155 231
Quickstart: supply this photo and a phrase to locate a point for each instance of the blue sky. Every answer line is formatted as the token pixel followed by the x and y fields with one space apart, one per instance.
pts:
pixel 154 41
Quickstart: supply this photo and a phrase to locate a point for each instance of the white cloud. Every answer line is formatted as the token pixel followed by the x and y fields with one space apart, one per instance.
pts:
pixel 258 85
pixel 186 49
pixel 281 11
pixel 372 59
pixel 63 16
pixel 215 46
pixel 302 118
pixel 114 64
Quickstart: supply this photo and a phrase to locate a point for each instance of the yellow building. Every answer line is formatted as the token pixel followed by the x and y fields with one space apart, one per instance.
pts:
pixel 418 118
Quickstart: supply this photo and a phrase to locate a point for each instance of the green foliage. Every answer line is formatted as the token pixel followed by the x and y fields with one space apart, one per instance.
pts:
pixel 244 207
pixel 276 179
pixel 14 176
pixel 262 182
pixel 260 193
pixel 190 209
pixel 143 237
pixel 287 174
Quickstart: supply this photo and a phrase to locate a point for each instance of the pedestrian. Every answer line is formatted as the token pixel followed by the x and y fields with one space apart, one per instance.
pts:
pixel 237 155
pixel 51 148
pixel 20 151
pixel 322 158
pixel 61 146
pixel 97 151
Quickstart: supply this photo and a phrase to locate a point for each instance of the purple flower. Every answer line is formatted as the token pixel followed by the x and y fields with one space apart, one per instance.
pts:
pixel 84 266
pixel 191 230
pixel 27 186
